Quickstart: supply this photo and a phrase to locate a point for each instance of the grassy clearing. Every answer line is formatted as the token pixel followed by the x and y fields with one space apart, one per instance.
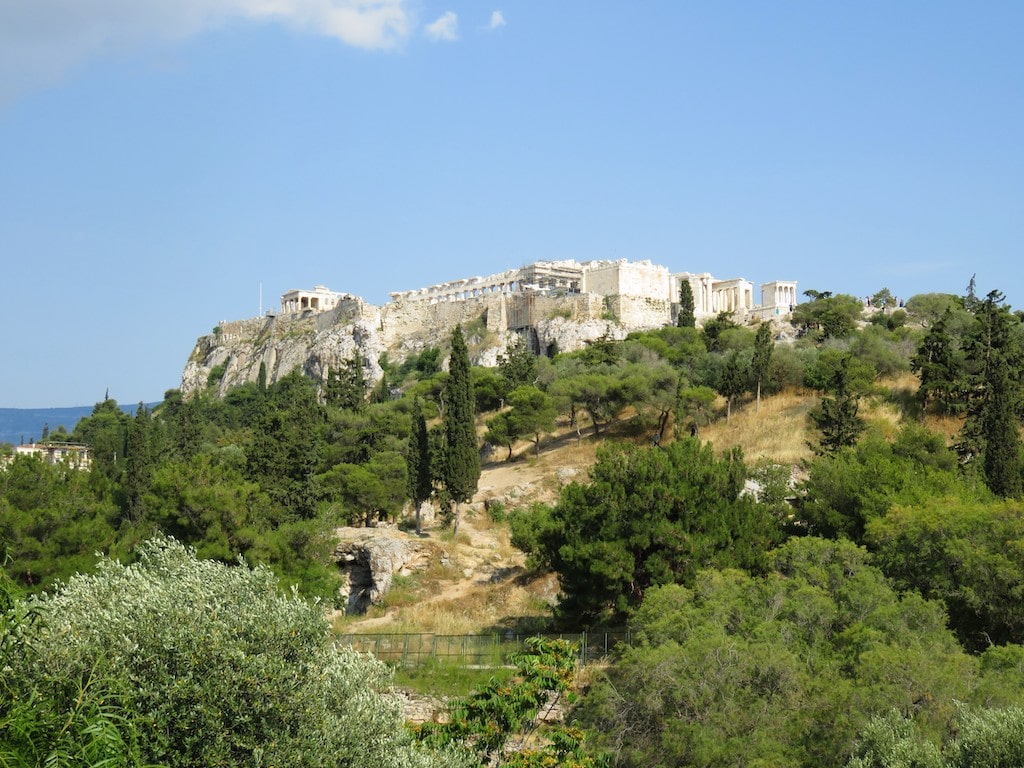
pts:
pixel 442 678
pixel 779 431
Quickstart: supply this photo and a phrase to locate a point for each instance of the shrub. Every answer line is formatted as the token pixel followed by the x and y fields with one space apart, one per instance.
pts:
pixel 217 667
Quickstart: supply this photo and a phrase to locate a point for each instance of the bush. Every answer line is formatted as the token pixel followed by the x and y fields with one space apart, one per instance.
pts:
pixel 216 667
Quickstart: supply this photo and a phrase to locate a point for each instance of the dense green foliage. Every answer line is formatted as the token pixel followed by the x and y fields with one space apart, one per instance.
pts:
pixel 847 489
pixel 649 516
pixel 497 722
pixel 827 316
pixel 205 664
pixel 978 738
pixel 969 555
pixel 781 670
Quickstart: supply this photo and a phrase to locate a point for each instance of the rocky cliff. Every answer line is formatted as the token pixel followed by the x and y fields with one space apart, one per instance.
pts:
pixel 316 342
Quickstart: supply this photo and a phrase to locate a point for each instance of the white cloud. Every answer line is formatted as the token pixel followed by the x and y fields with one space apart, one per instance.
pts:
pixel 497 19
pixel 445 28
pixel 40 40
pixel 372 24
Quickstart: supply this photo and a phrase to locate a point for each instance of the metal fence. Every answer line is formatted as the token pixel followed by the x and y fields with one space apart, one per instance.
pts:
pixel 476 650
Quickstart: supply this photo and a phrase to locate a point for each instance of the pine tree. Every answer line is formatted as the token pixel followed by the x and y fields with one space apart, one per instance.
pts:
pixel 462 457
pixel 518 365
pixel 686 317
pixel 836 417
pixel 421 484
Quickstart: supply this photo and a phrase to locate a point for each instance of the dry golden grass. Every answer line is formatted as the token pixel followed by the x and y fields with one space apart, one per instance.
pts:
pixel 779 431
pixel 782 430
pixel 480 607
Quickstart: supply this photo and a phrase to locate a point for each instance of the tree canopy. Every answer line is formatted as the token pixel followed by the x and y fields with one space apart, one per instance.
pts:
pixel 649 516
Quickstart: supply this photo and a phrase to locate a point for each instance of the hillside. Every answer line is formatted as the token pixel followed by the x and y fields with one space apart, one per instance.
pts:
pixel 484 586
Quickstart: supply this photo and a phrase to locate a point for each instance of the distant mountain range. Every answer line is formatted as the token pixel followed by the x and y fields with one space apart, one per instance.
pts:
pixel 25 425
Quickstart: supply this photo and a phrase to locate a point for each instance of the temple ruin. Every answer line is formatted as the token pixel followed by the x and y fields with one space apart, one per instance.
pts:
pixel 622 278
pixel 320 299
pixel 638 294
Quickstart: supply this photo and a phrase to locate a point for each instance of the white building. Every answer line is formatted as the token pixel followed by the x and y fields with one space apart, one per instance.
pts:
pixel 74 455
pixel 320 299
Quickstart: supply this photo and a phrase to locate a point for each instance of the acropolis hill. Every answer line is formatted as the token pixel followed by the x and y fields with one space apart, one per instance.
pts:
pixel 552 304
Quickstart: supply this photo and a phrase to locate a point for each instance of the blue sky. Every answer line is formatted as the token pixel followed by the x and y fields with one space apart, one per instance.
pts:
pixel 160 161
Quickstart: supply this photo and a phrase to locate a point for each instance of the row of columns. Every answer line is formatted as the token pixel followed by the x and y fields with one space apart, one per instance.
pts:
pixel 781 294
pixel 442 293
pixel 734 298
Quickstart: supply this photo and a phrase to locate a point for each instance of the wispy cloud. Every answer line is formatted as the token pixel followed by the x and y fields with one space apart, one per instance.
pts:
pixel 40 40
pixel 372 24
pixel 446 28
pixel 497 19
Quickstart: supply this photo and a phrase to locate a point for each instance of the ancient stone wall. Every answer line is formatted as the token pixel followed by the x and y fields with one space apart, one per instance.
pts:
pixel 637 313
pixel 624 278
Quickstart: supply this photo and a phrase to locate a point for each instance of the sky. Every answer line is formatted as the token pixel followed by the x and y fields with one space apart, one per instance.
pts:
pixel 168 164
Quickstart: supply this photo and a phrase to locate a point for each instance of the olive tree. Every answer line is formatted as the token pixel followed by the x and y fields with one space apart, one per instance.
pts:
pixel 215 666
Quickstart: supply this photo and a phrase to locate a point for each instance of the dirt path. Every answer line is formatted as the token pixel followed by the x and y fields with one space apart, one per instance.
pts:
pixel 477 581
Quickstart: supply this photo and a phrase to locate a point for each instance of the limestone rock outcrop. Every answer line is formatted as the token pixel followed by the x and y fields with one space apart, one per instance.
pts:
pixel 369 558
pixel 316 342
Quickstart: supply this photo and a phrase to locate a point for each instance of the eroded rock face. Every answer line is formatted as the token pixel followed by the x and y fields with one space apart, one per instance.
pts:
pixel 317 342
pixel 369 558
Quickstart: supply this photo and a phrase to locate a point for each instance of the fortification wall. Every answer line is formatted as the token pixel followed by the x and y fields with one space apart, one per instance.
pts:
pixel 236 330
pixel 409 324
pixel 638 313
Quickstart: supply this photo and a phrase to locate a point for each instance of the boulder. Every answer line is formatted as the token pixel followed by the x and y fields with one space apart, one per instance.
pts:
pixel 369 558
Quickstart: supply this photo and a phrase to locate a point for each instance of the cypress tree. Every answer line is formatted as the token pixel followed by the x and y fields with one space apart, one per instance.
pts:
pixel 462 457
pixel 994 354
pixel 346 388
pixel 763 348
pixel 1002 463
pixel 138 475
pixel 731 382
pixel 941 367
pixel 686 317
pixel 421 483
